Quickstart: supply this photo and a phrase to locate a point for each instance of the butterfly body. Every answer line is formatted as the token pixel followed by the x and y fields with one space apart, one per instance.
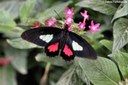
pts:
pixel 60 42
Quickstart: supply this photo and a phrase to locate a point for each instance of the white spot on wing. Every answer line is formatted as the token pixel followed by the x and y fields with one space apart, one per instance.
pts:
pixel 47 38
pixel 76 46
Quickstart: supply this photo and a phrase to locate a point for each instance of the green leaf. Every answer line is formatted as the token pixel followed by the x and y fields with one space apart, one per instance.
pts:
pixel 98 5
pixel 122 59
pixel 70 78
pixel 81 75
pixel 58 61
pixel 20 43
pixel 6 21
pixel 7 76
pixel 100 72
pixel 107 44
pixel 13 33
pixel 26 9
pixel 120 33
pixel 12 6
pixel 20 59
pixel 121 11
pixel 50 12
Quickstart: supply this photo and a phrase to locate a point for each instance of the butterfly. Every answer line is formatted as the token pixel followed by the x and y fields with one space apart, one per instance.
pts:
pixel 60 42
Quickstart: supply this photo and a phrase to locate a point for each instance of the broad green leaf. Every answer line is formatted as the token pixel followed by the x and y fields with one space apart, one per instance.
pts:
pixel 26 9
pixel 50 12
pixel 107 44
pixel 20 59
pixel 7 76
pixel 70 78
pixel 20 43
pixel 98 5
pixel 100 72
pixel 6 21
pixel 97 35
pixel 121 11
pixel 12 6
pixel 58 61
pixel 82 76
pixel 13 33
pixel 120 34
pixel 122 59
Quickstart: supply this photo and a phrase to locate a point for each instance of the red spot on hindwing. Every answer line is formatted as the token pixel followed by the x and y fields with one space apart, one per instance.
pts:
pixel 67 51
pixel 53 47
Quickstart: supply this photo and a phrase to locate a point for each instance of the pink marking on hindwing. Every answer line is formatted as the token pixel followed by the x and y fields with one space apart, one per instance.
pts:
pixel 53 47
pixel 67 51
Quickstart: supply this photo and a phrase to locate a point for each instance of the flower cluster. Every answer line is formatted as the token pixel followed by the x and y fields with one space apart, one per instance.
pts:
pixel 69 12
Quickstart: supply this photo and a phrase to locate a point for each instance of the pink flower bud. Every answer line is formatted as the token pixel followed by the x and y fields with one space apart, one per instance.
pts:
pixel 36 25
pixel 70 28
pixel 51 22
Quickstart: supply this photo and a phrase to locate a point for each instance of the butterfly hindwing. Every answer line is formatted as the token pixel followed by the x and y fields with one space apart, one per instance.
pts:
pixel 80 46
pixel 41 35
pixel 67 52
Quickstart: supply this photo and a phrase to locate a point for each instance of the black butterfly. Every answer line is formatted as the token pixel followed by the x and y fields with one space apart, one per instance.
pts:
pixel 60 42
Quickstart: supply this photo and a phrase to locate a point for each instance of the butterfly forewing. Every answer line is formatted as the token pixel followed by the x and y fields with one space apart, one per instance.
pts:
pixel 80 46
pixel 41 36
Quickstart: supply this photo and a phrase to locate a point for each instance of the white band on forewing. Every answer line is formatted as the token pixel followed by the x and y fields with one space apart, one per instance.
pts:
pixel 47 38
pixel 76 46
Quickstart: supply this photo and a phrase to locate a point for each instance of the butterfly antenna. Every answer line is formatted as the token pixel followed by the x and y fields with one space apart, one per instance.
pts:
pixel 58 14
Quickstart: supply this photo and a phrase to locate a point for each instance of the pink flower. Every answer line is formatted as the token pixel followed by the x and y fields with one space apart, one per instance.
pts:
pixel 68 21
pixel 81 25
pixel 85 15
pixel 69 12
pixel 94 27
pixel 70 28
pixel 51 22
pixel 5 61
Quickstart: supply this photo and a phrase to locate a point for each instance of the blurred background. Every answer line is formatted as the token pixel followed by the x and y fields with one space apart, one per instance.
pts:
pixel 23 63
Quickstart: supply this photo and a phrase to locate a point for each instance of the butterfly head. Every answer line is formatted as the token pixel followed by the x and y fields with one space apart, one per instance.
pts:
pixel 66 26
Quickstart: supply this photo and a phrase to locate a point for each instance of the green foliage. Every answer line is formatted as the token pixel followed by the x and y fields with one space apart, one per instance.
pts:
pixel 100 72
pixel 70 78
pixel 121 11
pixel 98 5
pixel 120 33
pixel 26 9
pixel 54 61
pixel 107 44
pixel 7 76
pixel 20 43
pixel 111 43
pixel 20 59
pixel 50 12
pixel 122 59
pixel 6 21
